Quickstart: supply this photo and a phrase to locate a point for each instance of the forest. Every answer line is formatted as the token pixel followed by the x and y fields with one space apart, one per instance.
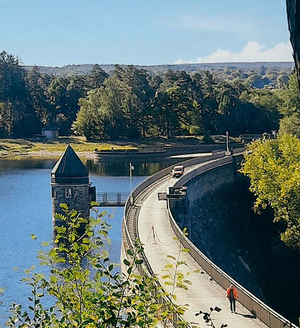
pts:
pixel 132 103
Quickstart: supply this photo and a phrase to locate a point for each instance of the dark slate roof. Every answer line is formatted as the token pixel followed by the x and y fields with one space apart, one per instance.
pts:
pixel 69 169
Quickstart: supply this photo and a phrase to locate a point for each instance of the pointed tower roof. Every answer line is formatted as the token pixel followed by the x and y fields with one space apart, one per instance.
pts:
pixel 69 169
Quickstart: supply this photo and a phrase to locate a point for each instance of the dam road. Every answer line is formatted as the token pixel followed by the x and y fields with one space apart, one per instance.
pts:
pixel 148 218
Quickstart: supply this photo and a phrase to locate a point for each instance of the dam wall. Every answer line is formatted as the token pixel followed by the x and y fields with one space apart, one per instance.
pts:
pixel 202 176
pixel 200 181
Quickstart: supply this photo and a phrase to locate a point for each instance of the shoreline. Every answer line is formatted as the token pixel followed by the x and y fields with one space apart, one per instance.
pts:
pixel 43 154
pixel 35 148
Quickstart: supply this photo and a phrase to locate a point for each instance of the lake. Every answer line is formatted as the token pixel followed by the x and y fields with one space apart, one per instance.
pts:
pixel 26 208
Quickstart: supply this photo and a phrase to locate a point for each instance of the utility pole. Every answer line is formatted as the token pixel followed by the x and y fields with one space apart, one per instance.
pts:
pixel 131 168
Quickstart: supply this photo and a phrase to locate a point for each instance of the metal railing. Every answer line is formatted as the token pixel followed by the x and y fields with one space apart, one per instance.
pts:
pixel 111 198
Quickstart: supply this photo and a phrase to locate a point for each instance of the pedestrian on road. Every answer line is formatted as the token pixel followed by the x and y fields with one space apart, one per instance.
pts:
pixel 232 295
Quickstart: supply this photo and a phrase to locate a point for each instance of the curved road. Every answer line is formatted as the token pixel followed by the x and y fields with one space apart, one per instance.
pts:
pixel 157 236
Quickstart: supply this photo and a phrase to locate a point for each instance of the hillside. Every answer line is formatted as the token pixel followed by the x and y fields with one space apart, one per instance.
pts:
pixel 285 67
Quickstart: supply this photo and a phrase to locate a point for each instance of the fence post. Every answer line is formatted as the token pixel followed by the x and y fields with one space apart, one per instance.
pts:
pixel 105 197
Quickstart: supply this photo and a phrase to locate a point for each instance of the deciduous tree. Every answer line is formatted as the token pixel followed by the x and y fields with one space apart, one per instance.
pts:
pixel 274 171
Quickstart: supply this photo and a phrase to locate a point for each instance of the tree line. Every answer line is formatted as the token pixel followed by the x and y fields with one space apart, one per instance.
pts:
pixel 132 103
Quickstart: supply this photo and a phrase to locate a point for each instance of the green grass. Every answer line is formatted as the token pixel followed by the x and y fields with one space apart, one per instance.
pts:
pixel 19 147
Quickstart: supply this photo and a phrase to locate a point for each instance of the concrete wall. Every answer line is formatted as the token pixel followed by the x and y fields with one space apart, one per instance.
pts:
pixel 211 180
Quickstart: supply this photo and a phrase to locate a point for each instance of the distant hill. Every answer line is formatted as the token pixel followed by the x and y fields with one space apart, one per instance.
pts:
pixel 158 69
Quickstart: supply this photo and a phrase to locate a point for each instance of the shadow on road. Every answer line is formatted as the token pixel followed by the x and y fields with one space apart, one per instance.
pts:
pixel 250 316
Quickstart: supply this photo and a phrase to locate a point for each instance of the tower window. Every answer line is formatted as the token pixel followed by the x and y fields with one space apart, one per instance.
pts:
pixel 68 192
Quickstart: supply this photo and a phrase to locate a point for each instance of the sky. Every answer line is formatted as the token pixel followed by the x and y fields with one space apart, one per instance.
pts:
pixel 144 32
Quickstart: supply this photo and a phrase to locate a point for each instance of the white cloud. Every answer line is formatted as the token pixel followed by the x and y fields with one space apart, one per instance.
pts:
pixel 252 52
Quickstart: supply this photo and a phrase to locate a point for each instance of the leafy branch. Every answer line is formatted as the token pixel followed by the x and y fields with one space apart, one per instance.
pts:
pixel 207 316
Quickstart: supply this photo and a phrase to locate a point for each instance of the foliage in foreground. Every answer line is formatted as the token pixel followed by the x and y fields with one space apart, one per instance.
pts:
pixel 85 288
pixel 273 167
pixel 208 319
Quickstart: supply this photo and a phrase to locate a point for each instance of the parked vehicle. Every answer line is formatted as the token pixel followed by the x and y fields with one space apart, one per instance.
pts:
pixel 177 171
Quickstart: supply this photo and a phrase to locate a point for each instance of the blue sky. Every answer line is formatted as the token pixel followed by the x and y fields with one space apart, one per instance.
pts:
pixel 144 32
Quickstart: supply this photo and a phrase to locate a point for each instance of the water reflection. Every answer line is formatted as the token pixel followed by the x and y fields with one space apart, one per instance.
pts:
pixel 28 163
pixel 122 168
pixel 103 169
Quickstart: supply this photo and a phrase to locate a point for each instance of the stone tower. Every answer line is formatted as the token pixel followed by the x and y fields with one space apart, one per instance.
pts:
pixel 70 184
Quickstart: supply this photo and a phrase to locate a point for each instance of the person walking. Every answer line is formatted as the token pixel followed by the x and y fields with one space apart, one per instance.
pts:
pixel 232 295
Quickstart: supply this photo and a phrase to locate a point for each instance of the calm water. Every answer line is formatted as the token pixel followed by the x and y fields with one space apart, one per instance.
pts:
pixel 25 209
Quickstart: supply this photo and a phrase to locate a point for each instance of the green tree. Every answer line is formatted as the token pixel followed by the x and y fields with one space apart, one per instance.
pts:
pixel 96 78
pixel 229 108
pixel 290 125
pixel 114 104
pixel 122 107
pixel 12 78
pixel 57 92
pixel 282 81
pixel 175 105
pixel 38 100
pixel 290 97
pixel 75 91
pixel 101 113
pixel 274 172
pixel 86 288
pixel 257 81
pixel 209 105
pixel 90 122
pixel 290 107
pixel 196 123
pixel 164 118
pixel 139 99
pixel 64 94
pixel 6 120
pixel 13 90
pixel 264 105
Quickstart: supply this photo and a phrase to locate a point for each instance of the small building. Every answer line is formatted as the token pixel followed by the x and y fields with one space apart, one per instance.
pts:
pixel 70 185
pixel 246 138
pixel 50 132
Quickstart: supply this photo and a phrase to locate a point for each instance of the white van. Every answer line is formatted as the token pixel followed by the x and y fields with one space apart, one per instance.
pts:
pixel 177 171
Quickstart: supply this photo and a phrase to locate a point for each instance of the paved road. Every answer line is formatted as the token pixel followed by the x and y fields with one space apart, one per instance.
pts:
pixel 157 237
